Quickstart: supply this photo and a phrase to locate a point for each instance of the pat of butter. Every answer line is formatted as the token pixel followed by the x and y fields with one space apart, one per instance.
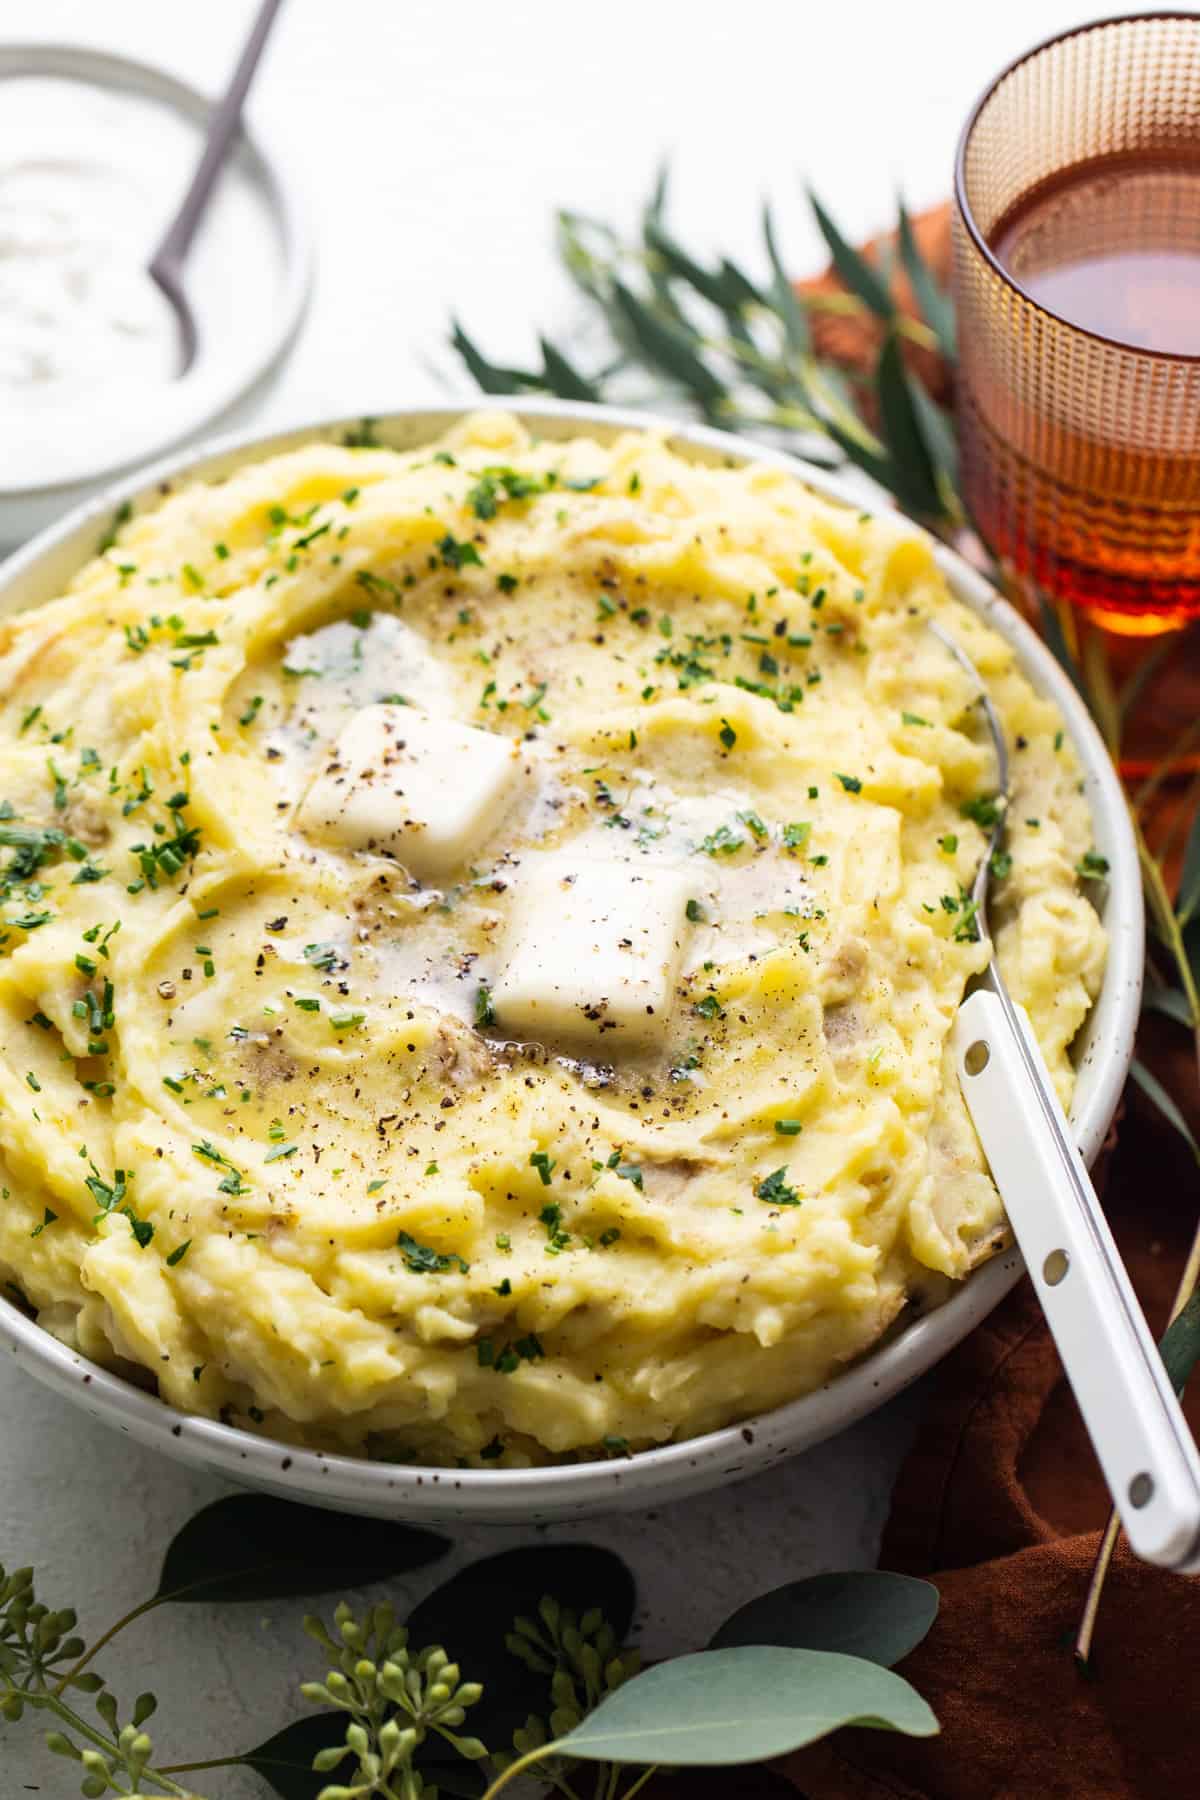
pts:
pixel 422 789
pixel 593 951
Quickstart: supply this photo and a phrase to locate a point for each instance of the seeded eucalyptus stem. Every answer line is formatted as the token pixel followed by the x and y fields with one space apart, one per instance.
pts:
pixel 106 1638
pixel 53 1703
pixel 638 1785
pixel 606 1784
pixel 519 1767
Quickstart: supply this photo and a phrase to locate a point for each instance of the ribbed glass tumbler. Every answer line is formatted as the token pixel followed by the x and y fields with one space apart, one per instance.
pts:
pixel 1081 442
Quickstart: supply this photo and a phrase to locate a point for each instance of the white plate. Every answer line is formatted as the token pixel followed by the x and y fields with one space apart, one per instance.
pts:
pixel 229 376
pixel 522 1496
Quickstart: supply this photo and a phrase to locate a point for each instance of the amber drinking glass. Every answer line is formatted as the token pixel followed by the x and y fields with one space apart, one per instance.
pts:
pixel 1077 284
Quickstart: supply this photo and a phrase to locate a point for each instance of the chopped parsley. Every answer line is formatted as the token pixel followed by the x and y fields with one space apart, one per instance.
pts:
pixel 497 484
pixel 1092 866
pixel 984 809
pixel 509 1359
pixel 457 554
pixel 322 956
pixel 627 1171
pixel 774 1189
pixel 557 1240
pixel 346 1021
pixel 721 842
pixel 423 1260
pixel 232 1180
pixel 166 856
pixel 851 783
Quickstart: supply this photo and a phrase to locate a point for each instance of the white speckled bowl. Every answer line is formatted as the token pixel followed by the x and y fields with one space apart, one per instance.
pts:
pixel 522 1496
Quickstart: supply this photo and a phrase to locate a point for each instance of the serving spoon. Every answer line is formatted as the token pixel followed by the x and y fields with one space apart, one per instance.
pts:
pixel 1132 1413
pixel 167 263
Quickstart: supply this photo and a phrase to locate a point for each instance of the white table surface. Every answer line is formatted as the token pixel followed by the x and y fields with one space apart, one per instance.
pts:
pixel 433 140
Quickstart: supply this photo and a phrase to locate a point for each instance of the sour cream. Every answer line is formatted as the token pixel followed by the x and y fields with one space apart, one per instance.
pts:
pixel 89 347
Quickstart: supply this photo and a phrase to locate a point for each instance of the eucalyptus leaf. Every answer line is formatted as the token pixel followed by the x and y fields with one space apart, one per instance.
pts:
pixel 657 203
pixel 667 348
pixel 285 1760
pixel 588 250
pixel 827 400
pixel 736 286
pixel 1056 642
pixel 491 377
pixel 782 295
pixel 562 377
pixel 472 1614
pixel 879 467
pixel 937 429
pixel 1180 1344
pixel 936 307
pixel 724 1707
pixel 1189 880
pixel 854 269
pixel 253 1547
pixel 1172 1003
pixel 1153 1088
pixel 870 1613
pixel 676 260
pixel 918 487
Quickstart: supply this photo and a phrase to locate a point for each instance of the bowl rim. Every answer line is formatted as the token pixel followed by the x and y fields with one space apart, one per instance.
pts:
pixel 47 59
pixel 560 1491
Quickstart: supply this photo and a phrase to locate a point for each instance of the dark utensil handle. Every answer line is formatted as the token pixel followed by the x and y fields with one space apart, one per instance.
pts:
pixel 222 128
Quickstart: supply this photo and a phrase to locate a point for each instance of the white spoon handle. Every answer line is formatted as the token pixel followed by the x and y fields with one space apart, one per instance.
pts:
pixel 1133 1417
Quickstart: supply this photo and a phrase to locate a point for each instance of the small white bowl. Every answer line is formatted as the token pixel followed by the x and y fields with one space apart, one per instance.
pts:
pixel 212 390
pixel 523 1496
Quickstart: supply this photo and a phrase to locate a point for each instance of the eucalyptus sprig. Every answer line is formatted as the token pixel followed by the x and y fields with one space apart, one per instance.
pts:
pixel 38 1648
pixel 741 352
pixel 562 1669
pixel 582 1662
pixel 394 1698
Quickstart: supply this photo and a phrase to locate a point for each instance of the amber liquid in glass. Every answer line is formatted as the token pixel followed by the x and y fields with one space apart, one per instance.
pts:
pixel 1112 246
pixel 1115 249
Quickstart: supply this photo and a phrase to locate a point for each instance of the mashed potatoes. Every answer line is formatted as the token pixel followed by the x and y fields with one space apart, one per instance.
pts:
pixel 480 933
